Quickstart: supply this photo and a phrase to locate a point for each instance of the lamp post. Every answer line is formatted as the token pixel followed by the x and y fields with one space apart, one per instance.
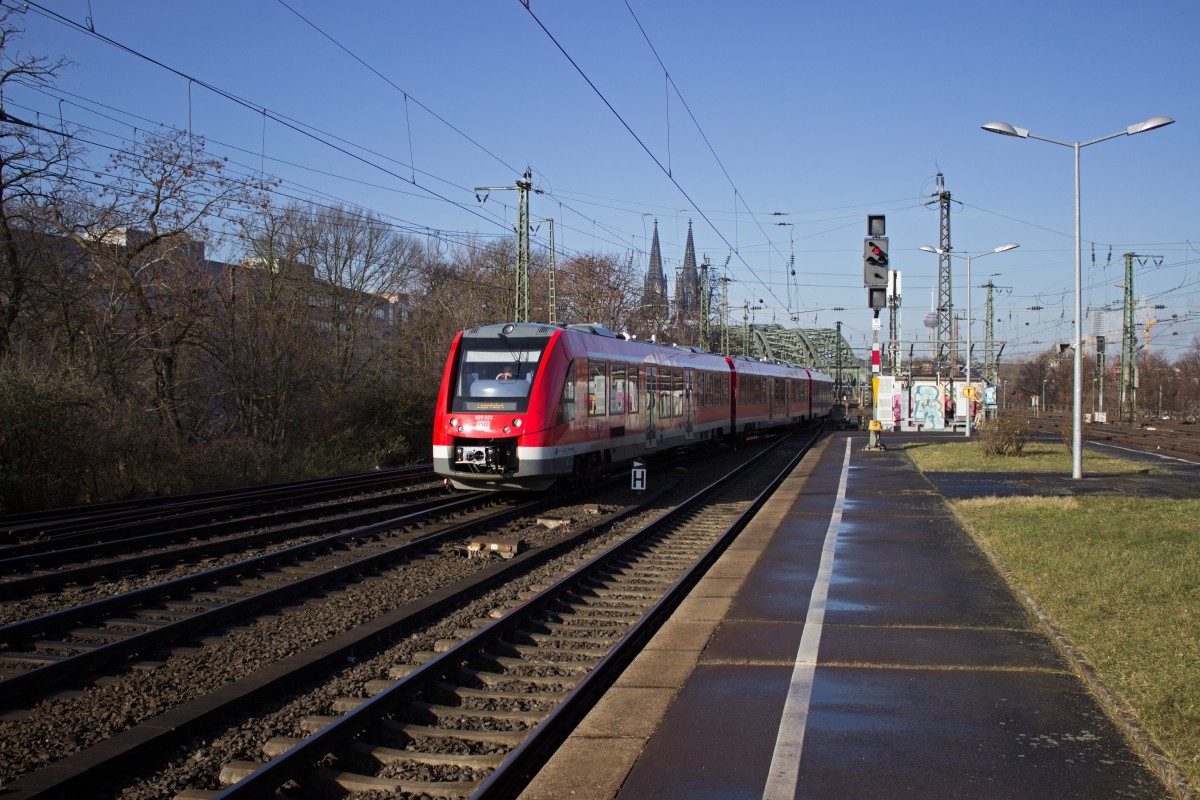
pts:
pixel 1002 248
pixel 1004 129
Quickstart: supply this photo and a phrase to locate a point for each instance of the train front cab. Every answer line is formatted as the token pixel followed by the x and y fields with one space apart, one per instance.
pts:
pixel 493 397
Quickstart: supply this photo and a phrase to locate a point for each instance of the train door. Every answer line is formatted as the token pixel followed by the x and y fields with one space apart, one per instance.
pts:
pixel 651 405
pixel 770 387
pixel 689 396
pixel 733 402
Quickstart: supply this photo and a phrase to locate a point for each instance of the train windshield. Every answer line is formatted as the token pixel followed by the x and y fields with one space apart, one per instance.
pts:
pixel 496 375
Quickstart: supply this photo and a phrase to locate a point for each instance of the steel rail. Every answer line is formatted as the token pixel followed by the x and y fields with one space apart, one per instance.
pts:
pixel 118 754
pixel 77 518
pixel 227 531
pixel 112 529
pixel 305 755
pixel 38 679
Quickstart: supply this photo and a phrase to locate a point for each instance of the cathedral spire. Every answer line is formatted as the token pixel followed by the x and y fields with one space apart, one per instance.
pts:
pixel 687 285
pixel 654 296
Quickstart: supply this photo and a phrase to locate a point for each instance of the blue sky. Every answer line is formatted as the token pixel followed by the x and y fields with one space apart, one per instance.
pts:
pixel 824 112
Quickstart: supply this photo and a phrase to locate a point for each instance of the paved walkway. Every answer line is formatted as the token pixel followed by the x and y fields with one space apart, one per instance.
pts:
pixel 852 643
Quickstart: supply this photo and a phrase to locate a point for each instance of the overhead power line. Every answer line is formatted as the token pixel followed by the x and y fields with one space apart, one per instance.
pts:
pixel 303 130
pixel 648 151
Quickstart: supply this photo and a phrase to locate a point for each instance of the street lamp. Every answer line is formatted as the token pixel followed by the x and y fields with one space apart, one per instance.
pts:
pixel 1002 248
pixel 1004 129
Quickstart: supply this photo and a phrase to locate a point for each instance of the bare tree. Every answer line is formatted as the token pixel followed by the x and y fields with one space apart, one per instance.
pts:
pixel 359 264
pixel 144 238
pixel 33 160
pixel 471 285
pixel 1188 366
pixel 599 288
pixel 262 341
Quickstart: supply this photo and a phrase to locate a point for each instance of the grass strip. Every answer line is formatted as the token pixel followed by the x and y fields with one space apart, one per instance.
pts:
pixel 966 456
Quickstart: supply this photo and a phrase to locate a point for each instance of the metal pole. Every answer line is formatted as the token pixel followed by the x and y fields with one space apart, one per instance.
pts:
pixel 837 381
pixel 1077 399
pixel 1077 416
pixel 553 318
pixel 970 402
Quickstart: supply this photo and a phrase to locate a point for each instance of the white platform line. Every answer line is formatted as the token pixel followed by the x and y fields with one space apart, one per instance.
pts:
pixel 785 761
pixel 1144 452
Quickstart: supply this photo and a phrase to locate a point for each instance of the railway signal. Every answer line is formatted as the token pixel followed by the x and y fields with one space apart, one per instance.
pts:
pixel 875 262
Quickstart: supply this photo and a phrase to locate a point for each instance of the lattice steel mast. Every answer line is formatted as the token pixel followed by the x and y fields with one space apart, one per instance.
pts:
pixel 945 304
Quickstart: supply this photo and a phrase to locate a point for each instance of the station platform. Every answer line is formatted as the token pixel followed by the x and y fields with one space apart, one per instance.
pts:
pixel 854 642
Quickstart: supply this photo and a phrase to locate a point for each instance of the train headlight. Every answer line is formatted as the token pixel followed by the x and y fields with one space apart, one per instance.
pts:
pixel 517 423
pixel 507 429
pixel 454 422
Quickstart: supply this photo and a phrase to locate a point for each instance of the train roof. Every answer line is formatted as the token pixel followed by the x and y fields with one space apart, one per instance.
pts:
pixel 622 344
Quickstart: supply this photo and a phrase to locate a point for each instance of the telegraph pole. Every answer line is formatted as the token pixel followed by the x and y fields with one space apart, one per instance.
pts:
pixel 894 320
pixel 521 293
pixel 746 328
pixel 1129 370
pixel 989 331
pixel 725 280
pixel 945 303
pixel 837 381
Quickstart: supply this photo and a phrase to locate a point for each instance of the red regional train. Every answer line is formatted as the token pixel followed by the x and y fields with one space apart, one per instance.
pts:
pixel 523 405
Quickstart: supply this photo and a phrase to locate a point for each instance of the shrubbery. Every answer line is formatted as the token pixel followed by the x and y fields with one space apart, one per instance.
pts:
pixel 1003 436
pixel 65 441
pixel 1067 431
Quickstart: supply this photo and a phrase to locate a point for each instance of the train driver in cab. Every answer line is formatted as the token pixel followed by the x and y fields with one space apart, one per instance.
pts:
pixel 506 373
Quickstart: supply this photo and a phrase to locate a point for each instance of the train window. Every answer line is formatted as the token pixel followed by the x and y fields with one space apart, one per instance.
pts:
pixel 677 393
pixel 566 401
pixel 664 393
pixel 617 390
pixel 494 375
pixel 631 391
pixel 597 388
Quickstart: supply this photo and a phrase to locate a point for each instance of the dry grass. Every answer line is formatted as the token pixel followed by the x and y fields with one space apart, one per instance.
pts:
pixel 967 456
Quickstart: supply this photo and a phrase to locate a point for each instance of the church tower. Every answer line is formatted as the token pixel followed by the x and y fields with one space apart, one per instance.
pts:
pixel 654 295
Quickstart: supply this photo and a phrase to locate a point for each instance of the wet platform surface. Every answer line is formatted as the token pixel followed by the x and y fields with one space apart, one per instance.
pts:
pixel 930 678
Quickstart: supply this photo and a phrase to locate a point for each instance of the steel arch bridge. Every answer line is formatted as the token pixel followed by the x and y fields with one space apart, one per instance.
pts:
pixel 823 349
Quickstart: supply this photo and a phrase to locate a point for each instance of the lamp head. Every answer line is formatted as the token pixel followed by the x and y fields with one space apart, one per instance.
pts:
pixel 928 249
pixel 1004 129
pixel 1149 125
pixel 1010 246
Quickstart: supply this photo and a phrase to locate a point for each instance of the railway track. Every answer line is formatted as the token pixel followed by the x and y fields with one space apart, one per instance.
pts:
pixel 50 649
pixel 479 714
pixel 67 561
pixel 1160 436
pixel 70 527
pixel 239 668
